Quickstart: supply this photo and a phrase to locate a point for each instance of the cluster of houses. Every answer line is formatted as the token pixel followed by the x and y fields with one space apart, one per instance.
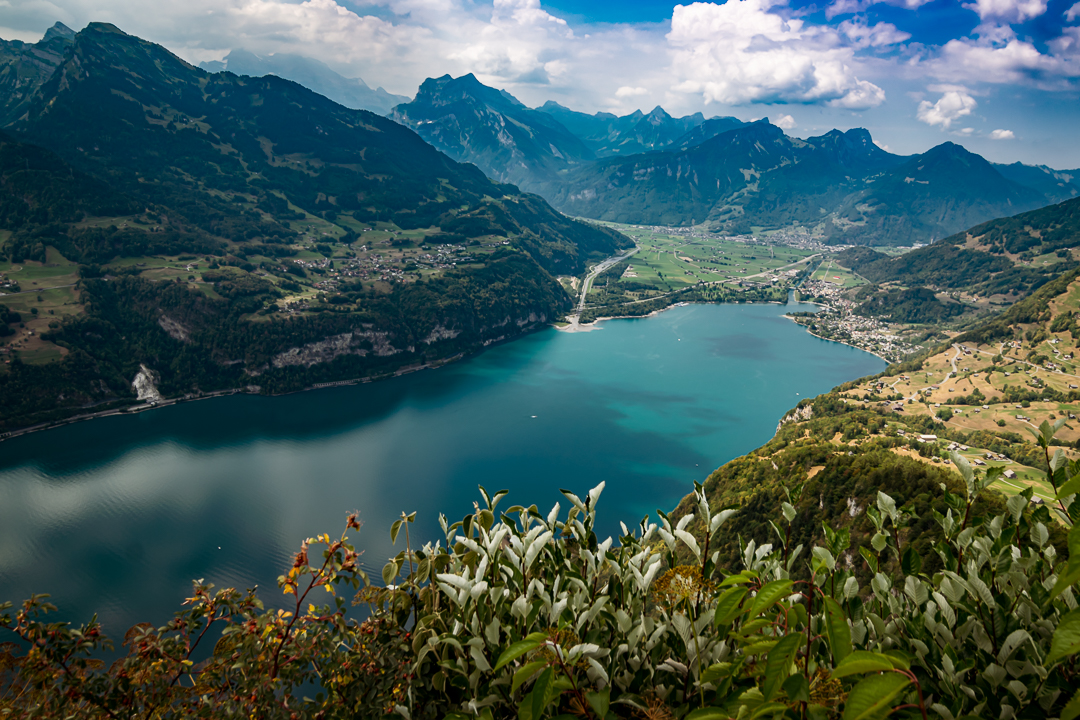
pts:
pixel 839 323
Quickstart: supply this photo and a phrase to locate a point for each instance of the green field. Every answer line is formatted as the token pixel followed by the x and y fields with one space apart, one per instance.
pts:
pixel 671 261
pixel 830 272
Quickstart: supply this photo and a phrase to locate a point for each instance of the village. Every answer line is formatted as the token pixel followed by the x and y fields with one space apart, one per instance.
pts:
pixel 837 321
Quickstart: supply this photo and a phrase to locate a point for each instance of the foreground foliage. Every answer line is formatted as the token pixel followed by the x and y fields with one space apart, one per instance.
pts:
pixel 521 614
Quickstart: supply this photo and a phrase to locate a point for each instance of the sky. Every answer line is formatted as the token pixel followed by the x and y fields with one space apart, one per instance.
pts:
pixel 1001 77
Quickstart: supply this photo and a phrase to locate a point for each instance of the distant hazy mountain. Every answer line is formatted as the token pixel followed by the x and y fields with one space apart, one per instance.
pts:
pixel 351 92
pixel 931 196
pixel 706 131
pixel 749 175
pixel 608 135
pixel 840 184
pixel 1056 185
pixel 490 128
pixel 25 66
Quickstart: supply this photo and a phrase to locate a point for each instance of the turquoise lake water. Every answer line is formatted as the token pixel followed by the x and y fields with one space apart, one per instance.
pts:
pixel 118 515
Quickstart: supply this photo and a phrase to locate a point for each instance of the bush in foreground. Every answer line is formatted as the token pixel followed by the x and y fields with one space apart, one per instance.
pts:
pixel 532 616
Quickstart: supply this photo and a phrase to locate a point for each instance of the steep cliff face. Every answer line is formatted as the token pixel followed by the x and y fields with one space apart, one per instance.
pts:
pixel 490 128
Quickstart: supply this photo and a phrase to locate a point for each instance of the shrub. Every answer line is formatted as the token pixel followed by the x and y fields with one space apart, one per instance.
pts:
pixel 531 615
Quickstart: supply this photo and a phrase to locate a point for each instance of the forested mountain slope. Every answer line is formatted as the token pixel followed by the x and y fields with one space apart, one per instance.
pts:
pixel 979 394
pixel 227 231
pixel 1008 256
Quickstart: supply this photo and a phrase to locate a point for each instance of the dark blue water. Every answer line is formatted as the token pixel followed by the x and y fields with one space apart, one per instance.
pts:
pixel 118 515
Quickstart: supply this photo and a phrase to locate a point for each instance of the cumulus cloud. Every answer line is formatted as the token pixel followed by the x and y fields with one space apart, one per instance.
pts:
pixel 628 92
pixel 785 122
pixel 1003 135
pixel 1014 10
pixel 1072 13
pixel 863 35
pixel 1009 61
pixel 739 53
pixel 954 104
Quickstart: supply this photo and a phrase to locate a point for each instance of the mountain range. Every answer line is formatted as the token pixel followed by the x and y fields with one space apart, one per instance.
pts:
pixel 723 173
pixel 351 92
pixel 226 231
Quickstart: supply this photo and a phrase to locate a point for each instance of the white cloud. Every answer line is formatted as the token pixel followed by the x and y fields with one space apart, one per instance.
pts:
pixel 954 104
pixel 862 35
pixel 628 92
pixel 1003 135
pixel 739 53
pixel 1014 10
pixel 845 7
pixel 1072 13
pixel 785 122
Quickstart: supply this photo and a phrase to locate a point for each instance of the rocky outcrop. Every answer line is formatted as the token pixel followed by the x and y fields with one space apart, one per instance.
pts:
pixel 799 414
pixel 441 333
pixel 175 330
pixel 350 343
pixel 145 385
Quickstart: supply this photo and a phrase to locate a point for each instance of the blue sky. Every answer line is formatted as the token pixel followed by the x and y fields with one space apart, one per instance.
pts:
pixel 1001 77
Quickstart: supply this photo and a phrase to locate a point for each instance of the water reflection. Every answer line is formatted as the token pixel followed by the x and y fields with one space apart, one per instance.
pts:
pixel 118 515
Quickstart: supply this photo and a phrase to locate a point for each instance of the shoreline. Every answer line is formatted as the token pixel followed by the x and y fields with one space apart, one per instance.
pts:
pixel 841 342
pixel 405 370
pixel 170 402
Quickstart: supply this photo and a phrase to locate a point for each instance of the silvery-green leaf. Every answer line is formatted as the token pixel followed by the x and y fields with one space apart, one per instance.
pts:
pixel 878 542
pixel 788 510
pixel 887 505
pixel 690 542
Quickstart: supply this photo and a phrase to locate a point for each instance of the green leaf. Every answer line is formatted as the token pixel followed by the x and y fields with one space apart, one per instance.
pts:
pixel 727 607
pixel 739 579
pixel 837 630
pixel 540 693
pixel 873 697
pixel 769 595
pixel 1071 711
pixel 708 713
pixel 797 689
pixel 1072 571
pixel 525 672
pixel 870 559
pixel 769 709
pixel 389 572
pixel 778 664
pixel 715 672
pixel 519 648
pixel 1072 487
pixel 911 563
pixel 394 530
pixel 862 661
pixel 599 701
pixel 1066 640
pixel 879 541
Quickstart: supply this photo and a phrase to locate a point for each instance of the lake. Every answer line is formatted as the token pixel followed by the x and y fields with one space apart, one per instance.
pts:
pixel 118 515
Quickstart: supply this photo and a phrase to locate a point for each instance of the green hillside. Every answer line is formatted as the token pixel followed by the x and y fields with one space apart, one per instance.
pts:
pixel 234 232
